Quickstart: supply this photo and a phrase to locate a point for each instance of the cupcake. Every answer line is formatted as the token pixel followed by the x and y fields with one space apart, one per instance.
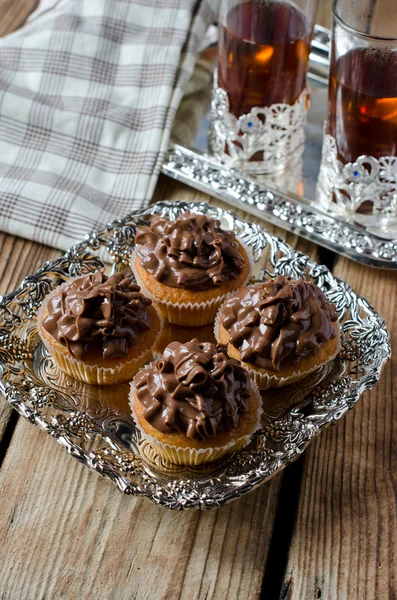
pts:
pixel 189 266
pixel 195 404
pixel 99 329
pixel 281 330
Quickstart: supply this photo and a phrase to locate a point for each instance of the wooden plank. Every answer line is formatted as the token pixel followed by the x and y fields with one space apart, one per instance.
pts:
pixel 18 258
pixel 344 543
pixel 13 13
pixel 384 19
pixel 324 11
pixel 67 533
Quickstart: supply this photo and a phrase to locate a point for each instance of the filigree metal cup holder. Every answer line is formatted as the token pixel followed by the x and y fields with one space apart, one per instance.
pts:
pixel 265 140
pixel 94 423
pixel 369 182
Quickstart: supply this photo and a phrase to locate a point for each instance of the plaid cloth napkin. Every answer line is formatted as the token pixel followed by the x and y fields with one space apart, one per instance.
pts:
pixel 89 90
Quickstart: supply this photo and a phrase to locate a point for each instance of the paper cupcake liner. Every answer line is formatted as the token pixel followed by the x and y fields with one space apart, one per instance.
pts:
pixel 195 314
pixel 217 323
pixel 193 456
pixel 265 381
pixel 92 374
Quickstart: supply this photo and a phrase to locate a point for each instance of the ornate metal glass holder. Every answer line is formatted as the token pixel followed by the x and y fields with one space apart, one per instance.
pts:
pixel 276 198
pixel 94 423
pixel 368 181
pixel 276 133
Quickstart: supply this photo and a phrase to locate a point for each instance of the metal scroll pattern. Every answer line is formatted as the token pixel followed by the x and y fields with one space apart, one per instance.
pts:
pixel 369 181
pixel 106 440
pixel 287 211
pixel 275 133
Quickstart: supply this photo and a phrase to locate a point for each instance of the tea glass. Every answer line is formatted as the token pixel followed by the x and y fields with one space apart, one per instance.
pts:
pixel 358 174
pixel 260 97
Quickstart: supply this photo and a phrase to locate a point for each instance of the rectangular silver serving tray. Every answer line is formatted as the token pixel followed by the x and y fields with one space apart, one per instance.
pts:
pixel 295 213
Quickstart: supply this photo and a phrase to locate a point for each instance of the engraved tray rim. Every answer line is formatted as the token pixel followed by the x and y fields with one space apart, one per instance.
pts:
pixel 365 349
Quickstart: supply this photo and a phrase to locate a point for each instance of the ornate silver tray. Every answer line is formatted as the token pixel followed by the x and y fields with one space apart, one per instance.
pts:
pixel 288 200
pixel 93 423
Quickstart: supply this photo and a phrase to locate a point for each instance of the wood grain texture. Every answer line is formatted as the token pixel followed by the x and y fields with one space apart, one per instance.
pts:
pixel 13 13
pixel 18 258
pixel 324 13
pixel 344 544
pixel 66 533
pixel 384 18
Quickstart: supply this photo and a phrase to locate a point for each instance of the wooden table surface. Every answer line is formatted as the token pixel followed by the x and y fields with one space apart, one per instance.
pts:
pixel 323 528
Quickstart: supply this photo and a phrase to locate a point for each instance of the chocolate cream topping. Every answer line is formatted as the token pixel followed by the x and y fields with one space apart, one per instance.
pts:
pixel 278 322
pixel 97 310
pixel 192 252
pixel 194 389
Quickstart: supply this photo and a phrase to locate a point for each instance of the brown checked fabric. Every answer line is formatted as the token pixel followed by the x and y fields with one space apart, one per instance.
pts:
pixel 89 90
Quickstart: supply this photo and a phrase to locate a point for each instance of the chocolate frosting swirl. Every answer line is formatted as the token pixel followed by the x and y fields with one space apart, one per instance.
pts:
pixel 192 252
pixel 98 311
pixel 194 389
pixel 278 322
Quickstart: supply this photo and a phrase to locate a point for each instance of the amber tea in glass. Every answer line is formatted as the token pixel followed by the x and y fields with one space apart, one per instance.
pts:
pixel 358 176
pixel 263 56
pixel 363 103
